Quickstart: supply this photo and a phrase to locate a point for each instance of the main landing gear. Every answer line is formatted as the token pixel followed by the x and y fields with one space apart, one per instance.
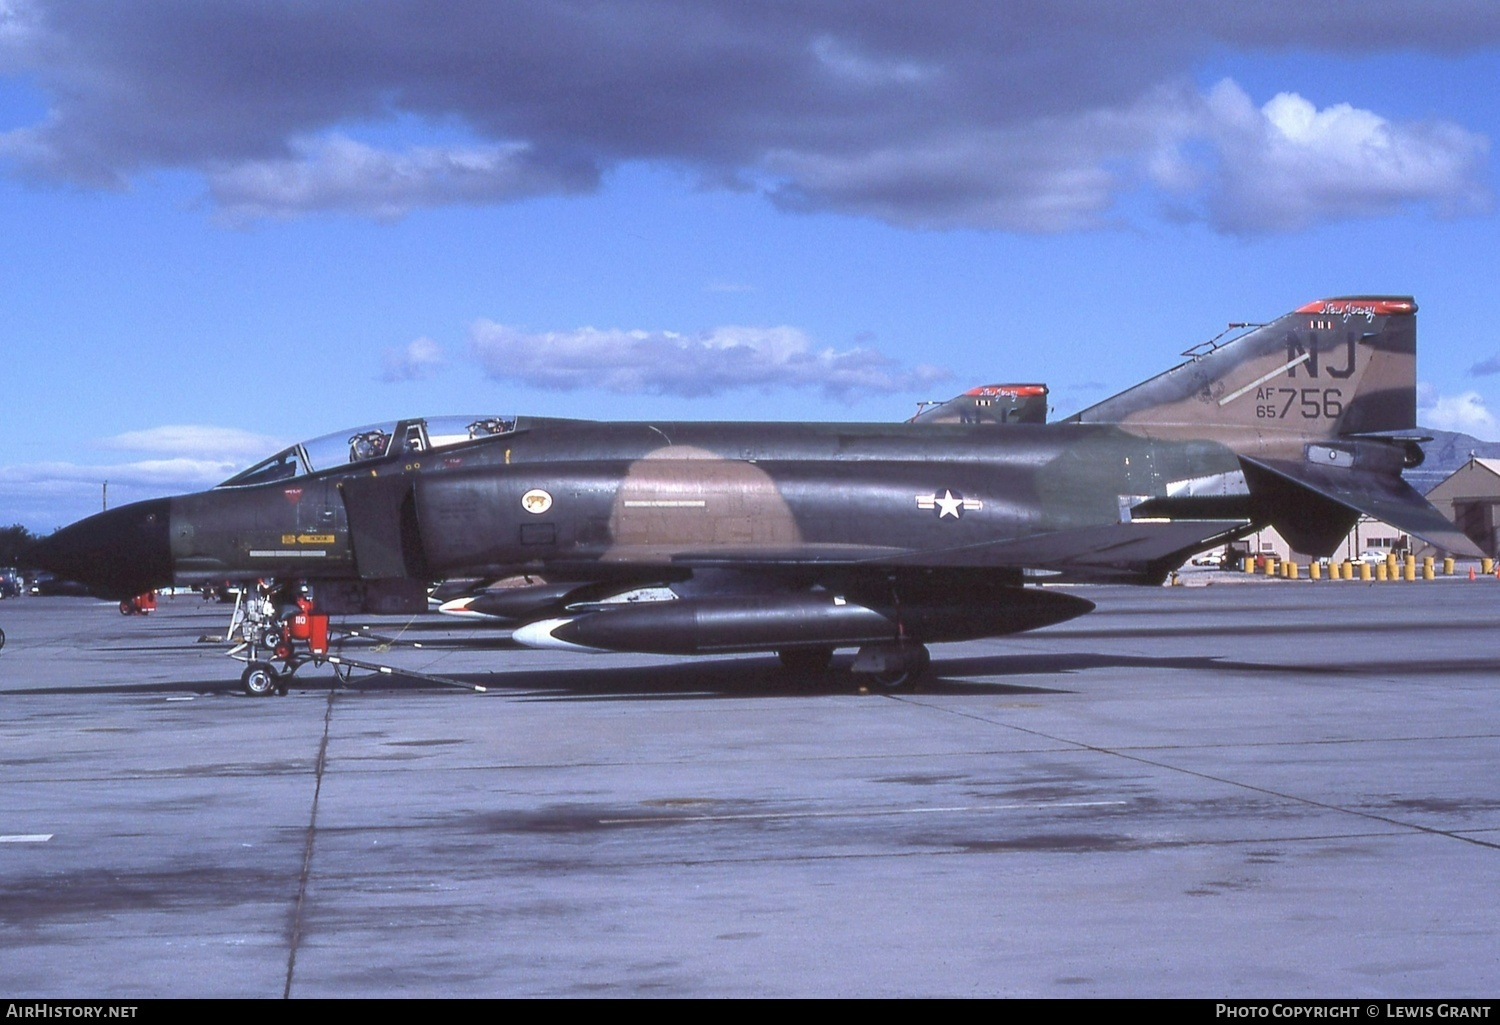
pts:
pixel 893 667
pixel 884 667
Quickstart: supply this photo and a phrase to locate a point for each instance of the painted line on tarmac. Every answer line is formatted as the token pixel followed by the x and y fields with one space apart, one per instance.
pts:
pixel 26 838
pixel 869 813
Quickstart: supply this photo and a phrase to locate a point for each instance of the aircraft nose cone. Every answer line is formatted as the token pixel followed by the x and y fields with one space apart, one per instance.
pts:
pixel 118 554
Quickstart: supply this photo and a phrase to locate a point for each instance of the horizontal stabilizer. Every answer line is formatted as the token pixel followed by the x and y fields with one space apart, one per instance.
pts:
pixel 1378 495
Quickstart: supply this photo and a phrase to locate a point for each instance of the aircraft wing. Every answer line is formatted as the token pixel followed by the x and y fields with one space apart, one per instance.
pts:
pixel 1382 496
pixel 1115 550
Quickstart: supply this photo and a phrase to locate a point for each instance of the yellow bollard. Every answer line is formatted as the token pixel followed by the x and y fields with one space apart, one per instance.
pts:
pixel 1409 571
pixel 1247 564
pixel 1314 571
pixel 1486 566
pixel 1292 569
pixel 1348 569
pixel 1448 566
pixel 1391 572
pixel 1364 571
pixel 1429 568
pixel 1271 567
pixel 1382 571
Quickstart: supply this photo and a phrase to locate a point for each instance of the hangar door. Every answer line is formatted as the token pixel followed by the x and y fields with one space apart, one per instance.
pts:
pixel 1476 518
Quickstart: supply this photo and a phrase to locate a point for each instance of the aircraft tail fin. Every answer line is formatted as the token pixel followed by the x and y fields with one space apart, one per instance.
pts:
pixel 1335 367
pixel 1320 406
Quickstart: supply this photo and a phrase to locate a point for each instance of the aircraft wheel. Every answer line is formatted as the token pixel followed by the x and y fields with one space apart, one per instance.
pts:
pixel 260 679
pixel 2 638
pixel 905 676
pixel 806 660
pixel 126 608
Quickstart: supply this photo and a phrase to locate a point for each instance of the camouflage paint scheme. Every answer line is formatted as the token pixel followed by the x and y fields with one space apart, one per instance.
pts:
pixel 788 536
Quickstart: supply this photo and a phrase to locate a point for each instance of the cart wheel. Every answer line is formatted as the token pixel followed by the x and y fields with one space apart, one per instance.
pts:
pixel 260 679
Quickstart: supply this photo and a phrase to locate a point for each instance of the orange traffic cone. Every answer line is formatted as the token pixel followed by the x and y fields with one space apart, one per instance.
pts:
pixel 1471 572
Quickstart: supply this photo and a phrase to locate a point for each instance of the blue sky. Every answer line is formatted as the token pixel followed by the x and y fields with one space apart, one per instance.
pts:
pixel 225 226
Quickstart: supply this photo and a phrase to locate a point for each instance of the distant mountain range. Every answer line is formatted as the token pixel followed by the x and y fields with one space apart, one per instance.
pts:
pixel 1446 452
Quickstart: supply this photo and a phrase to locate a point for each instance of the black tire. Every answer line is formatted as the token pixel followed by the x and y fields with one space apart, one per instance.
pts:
pixel 907 675
pixel 127 608
pixel 2 638
pixel 260 679
pixel 806 660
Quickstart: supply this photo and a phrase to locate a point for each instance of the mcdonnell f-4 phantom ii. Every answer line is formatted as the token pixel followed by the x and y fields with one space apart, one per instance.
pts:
pixel 803 538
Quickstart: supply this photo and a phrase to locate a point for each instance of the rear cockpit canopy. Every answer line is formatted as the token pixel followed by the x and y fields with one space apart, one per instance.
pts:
pixel 989 404
pixel 366 444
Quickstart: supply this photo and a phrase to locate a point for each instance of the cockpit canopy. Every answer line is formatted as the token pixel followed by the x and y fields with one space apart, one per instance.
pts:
pixel 376 441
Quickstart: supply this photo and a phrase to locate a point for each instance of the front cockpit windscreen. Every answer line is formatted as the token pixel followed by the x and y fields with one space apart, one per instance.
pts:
pixel 371 443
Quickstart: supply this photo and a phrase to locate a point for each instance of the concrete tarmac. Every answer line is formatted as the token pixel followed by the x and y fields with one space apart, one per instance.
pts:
pixel 1252 789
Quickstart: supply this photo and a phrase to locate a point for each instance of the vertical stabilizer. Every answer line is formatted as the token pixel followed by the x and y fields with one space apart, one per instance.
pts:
pixel 1333 367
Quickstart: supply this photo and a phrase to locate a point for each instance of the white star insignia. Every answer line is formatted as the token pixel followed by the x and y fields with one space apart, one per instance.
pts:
pixel 948 504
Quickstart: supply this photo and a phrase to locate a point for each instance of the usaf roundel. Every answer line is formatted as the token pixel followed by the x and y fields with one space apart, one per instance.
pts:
pixel 948 503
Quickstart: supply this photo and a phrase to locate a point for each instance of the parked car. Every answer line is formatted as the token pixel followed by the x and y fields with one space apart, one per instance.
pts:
pixel 51 585
pixel 11 583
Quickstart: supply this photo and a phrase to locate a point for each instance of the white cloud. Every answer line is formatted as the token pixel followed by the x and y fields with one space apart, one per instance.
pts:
pixel 339 173
pixel 193 457
pixel 667 363
pixel 413 362
pixel 159 475
pixel 1049 174
pixel 215 445
pixel 1465 413
pixel 1288 164
pixel 845 61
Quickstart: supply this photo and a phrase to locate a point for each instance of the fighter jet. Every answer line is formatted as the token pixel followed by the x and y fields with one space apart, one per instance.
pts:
pixel 803 538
